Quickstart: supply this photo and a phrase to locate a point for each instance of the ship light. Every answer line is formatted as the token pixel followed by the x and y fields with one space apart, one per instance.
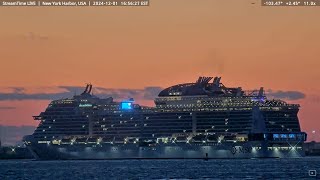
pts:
pixel 126 105
pixel 85 105
pixel 254 150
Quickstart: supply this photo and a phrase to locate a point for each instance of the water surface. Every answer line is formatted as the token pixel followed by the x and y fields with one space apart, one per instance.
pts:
pixel 162 169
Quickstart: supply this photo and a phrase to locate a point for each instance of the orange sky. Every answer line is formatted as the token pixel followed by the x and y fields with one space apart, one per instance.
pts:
pixel 172 41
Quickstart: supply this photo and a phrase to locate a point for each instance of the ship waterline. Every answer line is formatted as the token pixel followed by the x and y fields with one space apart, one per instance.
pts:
pixel 192 120
pixel 167 151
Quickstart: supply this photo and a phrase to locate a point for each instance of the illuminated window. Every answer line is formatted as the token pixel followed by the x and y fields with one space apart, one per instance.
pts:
pixel 283 136
pixel 292 136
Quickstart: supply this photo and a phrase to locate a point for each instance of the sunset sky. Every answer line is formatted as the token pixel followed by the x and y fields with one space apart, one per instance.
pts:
pixel 42 50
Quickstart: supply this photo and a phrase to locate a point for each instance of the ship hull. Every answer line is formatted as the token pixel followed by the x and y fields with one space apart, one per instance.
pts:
pixel 161 151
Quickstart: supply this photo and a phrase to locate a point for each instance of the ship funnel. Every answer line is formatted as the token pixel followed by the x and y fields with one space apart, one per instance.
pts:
pixel 88 89
pixel 216 81
pixel 202 81
pixel 261 92
pixel 239 92
pixel 85 91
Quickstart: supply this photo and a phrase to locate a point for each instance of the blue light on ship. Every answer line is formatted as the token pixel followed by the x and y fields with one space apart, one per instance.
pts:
pixel 292 136
pixel 283 136
pixel 126 105
pixel 258 99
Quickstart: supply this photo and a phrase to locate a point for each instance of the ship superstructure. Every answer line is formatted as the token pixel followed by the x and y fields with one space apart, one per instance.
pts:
pixel 192 120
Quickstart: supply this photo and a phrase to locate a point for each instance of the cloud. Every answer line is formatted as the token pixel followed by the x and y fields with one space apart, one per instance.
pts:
pixel 34 36
pixel 11 135
pixel 313 98
pixel 151 92
pixel 316 99
pixel 37 96
pixel 289 95
pixel 6 107
pixel 147 93
pixel 18 89
pixel 18 93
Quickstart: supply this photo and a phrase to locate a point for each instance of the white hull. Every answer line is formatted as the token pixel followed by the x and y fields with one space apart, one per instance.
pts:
pixel 162 151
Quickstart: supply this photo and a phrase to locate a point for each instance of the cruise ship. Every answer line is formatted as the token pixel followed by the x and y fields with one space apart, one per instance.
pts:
pixel 200 120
